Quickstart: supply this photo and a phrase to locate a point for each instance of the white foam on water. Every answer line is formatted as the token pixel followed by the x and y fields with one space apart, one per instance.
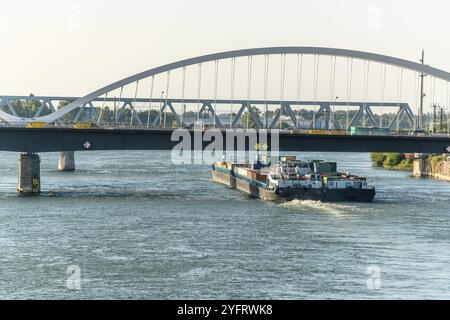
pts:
pixel 318 206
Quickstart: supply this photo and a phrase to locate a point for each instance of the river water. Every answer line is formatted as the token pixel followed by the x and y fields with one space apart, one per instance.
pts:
pixel 135 226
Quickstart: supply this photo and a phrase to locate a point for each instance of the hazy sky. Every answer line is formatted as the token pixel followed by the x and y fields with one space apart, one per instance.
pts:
pixel 61 47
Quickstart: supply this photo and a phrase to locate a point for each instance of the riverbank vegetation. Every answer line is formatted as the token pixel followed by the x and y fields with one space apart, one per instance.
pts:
pixel 391 161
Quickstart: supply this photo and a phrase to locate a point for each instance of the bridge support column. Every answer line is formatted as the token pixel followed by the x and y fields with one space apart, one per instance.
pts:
pixel 29 173
pixel 66 161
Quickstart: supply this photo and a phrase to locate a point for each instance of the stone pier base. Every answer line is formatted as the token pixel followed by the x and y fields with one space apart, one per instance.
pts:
pixel 425 168
pixel 418 167
pixel 66 161
pixel 29 173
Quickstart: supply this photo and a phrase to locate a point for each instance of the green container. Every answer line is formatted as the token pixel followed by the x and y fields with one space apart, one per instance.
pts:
pixel 325 167
pixel 359 131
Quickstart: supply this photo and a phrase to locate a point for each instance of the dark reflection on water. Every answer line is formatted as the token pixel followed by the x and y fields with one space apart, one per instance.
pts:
pixel 140 227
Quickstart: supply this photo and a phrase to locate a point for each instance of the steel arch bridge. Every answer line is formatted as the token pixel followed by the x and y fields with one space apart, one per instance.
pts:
pixel 207 104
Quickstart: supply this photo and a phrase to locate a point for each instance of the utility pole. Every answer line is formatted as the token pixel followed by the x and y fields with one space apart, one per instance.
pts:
pixel 422 94
pixel 441 120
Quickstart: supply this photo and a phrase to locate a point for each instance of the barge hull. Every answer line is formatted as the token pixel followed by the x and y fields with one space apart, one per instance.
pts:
pixel 226 179
pixel 255 191
pixel 329 195
pixel 324 195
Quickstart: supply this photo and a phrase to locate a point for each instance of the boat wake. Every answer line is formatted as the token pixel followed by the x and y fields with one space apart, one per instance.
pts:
pixel 318 206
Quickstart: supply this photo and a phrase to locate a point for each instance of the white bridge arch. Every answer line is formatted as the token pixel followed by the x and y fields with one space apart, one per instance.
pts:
pixel 320 51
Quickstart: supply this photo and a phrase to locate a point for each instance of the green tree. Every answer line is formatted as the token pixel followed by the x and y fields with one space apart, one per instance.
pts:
pixel 378 158
pixel 247 121
pixel 392 159
pixel 28 108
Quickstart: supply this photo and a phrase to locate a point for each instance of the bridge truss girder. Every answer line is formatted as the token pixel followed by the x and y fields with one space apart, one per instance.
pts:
pixel 5 101
pixel 253 115
pixel 86 113
pixel 166 104
pixel 284 109
pixel 363 111
pixel 89 112
pixel 324 110
pixel 134 114
pixel 403 109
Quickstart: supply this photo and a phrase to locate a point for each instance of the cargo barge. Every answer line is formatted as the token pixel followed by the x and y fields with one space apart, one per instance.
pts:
pixel 278 178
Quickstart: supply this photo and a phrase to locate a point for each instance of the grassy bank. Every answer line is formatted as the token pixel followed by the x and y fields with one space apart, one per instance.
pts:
pixel 391 161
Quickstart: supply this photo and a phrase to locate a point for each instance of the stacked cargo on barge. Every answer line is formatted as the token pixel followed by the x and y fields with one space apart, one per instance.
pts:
pixel 285 177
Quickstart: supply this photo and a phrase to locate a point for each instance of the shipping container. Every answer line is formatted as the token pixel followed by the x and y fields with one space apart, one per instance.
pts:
pixel 256 175
pixel 359 131
pixel 242 171
pixel 325 167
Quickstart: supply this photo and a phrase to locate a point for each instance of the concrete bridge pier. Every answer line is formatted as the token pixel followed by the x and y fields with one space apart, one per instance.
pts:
pixel 29 173
pixel 66 161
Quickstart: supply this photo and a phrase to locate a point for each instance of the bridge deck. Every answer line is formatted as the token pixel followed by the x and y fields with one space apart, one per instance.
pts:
pixel 21 139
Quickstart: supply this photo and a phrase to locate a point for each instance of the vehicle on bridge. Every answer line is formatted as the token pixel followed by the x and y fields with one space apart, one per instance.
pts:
pixel 289 178
pixel 369 131
pixel 83 125
pixel 327 131
pixel 37 124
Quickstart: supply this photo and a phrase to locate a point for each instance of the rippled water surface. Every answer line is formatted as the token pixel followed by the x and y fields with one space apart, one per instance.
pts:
pixel 139 227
